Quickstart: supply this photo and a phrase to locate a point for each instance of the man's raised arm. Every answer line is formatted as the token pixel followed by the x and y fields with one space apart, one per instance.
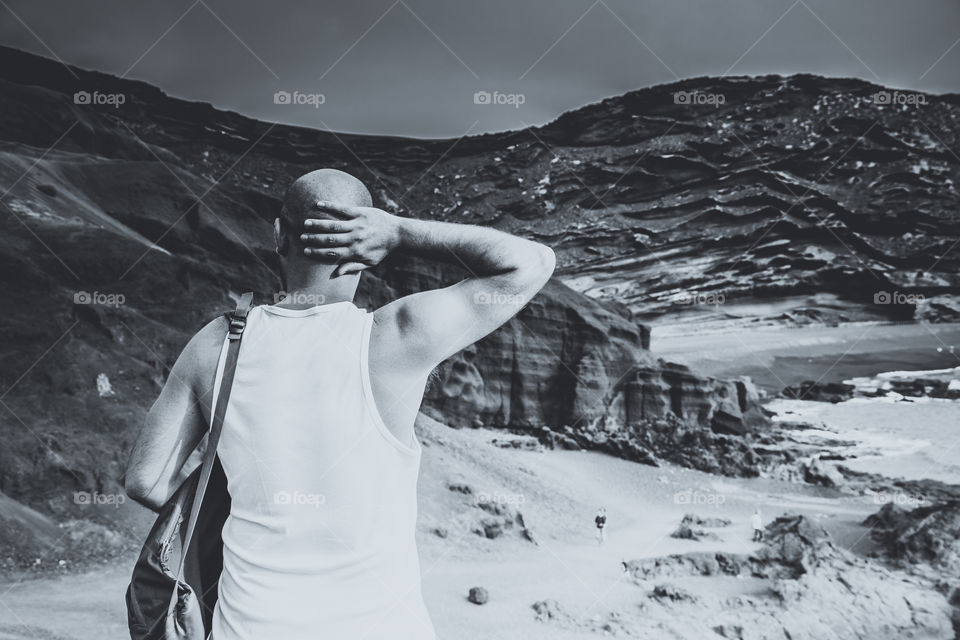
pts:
pixel 430 326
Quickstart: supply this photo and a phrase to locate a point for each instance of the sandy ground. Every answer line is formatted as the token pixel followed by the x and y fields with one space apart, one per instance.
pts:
pixel 557 492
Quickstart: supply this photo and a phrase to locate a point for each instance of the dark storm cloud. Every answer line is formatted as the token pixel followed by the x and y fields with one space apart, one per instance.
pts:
pixel 412 67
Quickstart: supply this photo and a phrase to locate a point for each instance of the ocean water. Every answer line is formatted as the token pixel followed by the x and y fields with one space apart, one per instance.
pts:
pixel 911 438
pixel 835 367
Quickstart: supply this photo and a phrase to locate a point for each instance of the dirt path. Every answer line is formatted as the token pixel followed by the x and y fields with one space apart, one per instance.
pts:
pixel 74 607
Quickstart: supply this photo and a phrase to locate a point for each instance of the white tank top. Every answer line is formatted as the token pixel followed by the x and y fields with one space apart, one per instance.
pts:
pixel 319 542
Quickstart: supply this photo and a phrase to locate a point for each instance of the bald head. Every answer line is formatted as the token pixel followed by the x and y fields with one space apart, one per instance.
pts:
pixel 323 184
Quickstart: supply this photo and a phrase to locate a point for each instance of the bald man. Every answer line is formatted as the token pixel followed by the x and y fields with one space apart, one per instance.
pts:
pixel 318 444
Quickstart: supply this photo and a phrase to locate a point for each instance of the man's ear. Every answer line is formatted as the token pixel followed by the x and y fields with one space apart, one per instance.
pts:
pixel 280 236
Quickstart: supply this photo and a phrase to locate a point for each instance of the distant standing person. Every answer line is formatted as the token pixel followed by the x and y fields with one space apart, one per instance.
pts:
pixel 757 522
pixel 601 522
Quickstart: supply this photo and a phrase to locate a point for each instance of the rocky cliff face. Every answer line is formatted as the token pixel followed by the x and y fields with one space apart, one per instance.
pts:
pixel 555 364
pixel 577 374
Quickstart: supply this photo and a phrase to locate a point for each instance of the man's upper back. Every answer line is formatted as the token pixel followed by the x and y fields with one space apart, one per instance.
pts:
pixel 302 398
pixel 396 393
pixel 323 512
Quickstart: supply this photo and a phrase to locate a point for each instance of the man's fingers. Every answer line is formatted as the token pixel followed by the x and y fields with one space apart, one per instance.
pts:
pixel 348 268
pixel 336 255
pixel 337 209
pixel 326 255
pixel 326 239
pixel 318 225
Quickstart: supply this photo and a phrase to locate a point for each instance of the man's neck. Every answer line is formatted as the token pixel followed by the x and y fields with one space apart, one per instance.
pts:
pixel 309 287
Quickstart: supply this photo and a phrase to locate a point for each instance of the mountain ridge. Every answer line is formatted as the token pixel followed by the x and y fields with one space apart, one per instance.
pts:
pixel 13 56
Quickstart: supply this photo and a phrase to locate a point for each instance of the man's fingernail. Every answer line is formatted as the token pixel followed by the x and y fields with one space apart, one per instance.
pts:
pixel 303 237
pixel 321 204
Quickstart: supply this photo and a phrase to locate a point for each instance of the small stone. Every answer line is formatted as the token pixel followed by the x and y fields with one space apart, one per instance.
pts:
pixel 492 529
pixel 458 487
pixel 528 535
pixel 673 593
pixel 547 610
pixel 478 595
pixel 104 388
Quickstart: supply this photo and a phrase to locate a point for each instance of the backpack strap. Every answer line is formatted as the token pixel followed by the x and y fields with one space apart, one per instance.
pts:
pixel 238 322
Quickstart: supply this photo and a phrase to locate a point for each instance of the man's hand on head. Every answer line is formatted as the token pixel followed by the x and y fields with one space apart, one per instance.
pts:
pixel 423 329
pixel 360 238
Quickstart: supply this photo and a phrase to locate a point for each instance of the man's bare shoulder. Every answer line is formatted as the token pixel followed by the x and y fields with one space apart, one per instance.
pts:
pixel 393 332
pixel 393 316
pixel 197 364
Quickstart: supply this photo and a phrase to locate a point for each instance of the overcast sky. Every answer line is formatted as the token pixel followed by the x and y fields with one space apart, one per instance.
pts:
pixel 412 67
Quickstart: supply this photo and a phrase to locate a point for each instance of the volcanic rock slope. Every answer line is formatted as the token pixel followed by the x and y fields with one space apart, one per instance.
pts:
pixel 157 209
pixel 799 187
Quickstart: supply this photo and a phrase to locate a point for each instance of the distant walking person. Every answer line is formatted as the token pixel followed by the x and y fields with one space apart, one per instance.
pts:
pixel 757 522
pixel 318 442
pixel 601 522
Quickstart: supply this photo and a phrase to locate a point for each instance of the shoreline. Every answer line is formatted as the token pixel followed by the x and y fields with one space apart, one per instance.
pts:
pixel 777 356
